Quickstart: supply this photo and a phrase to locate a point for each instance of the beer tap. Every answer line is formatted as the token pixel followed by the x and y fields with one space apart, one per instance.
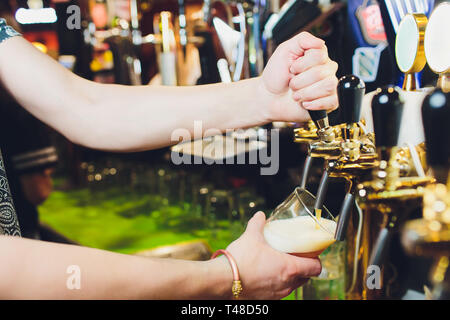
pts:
pixel 356 150
pixel 323 140
pixel 388 198
pixel 430 236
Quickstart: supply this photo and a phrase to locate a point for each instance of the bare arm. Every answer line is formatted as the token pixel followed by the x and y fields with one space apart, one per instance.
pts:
pixel 38 270
pixel 124 118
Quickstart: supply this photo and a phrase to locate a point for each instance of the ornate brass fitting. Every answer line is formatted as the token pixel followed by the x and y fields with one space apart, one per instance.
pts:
pixel 325 133
pixel 430 236
pixel 306 134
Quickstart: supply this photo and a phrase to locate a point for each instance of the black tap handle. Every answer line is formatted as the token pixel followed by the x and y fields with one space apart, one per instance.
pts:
pixel 436 125
pixel 317 115
pixel 350 91
pixel 387 109
pixel 335 117
pixel 344 216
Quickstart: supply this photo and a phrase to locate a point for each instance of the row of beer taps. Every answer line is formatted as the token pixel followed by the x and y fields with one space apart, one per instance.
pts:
pixel 381 178
pixel 386 182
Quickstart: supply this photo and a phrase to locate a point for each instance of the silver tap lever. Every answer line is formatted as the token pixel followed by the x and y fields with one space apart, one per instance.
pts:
pixel 344 216
pixel 321 191
pixel 306 168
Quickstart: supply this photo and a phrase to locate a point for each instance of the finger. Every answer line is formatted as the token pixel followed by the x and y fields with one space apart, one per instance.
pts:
pixel 256 223
pixel 311 76
pixel 298 44
pixel 305 41
pixel 307 267
pixel 323 88
pixel 311 58
pixel 329 103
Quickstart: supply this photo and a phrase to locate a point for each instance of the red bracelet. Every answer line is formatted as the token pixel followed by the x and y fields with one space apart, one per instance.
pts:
pixel 236 288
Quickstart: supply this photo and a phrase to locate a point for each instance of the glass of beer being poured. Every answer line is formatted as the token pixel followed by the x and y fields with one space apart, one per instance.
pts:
pixel 295 228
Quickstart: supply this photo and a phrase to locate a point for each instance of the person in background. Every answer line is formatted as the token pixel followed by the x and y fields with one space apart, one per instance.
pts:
pixel 30 159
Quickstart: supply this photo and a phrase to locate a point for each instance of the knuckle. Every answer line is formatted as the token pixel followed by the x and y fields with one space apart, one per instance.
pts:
pixel 303 94
pixel 334 65
pixel 291 272
pixel 293 84
pixel 322 73
pixel 331 85
pixel 323 56
pixel 303 35
pixel 286 274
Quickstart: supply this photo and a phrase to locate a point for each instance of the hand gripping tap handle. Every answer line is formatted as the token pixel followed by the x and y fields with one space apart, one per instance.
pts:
pixel 436 125
pixel 350 94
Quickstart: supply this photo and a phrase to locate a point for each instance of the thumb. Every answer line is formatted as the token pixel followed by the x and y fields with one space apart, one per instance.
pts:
pixel 256 223
pixel 302 42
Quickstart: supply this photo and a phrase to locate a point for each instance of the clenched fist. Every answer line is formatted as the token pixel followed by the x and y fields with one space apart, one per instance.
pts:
pixel 299 77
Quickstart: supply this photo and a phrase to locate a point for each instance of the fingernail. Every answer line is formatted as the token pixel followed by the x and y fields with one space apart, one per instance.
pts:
pixel 307 104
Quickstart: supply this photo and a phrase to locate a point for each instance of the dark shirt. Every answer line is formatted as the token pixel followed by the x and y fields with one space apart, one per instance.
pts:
pixel 9 224
pixel 26 149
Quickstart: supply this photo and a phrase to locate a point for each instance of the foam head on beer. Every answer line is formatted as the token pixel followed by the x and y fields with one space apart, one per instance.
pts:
pixel 300 235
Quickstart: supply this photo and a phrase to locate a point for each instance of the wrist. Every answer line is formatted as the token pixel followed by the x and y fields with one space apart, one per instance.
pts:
pixel 221 278
pixel 266 100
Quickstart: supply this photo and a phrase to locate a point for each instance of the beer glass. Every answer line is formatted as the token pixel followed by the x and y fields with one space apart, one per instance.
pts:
pixel 294 227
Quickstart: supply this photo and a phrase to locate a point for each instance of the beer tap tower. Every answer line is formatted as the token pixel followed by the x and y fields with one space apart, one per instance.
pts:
pixel 430 236
pixel 357 150
pixel 388 198
pixel 353 157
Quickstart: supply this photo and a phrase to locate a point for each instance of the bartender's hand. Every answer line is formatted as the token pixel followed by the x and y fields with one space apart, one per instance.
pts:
pixel 300 76
pixel 266 273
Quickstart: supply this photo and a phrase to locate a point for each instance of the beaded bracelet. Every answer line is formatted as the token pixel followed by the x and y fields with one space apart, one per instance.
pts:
pixel 236 288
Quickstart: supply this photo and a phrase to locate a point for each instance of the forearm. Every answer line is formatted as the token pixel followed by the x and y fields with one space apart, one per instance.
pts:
pixel 138 118
pixel 123 118
pixel 38 270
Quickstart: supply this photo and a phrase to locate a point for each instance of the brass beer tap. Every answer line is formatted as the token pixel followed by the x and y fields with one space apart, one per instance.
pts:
pixel 388 197
pixel 430 236
pixel 356 150
pixel 320 136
